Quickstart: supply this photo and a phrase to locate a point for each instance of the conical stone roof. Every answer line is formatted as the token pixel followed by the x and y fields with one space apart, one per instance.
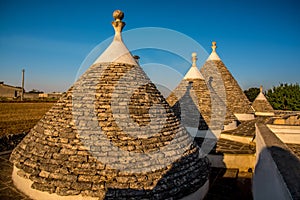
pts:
pixel 111 136
pixel 191 99
pixel 192 102
pixel 236 100
pixel 261 105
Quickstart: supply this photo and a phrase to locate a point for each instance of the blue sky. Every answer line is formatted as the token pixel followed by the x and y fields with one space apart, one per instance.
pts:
pixel 257 40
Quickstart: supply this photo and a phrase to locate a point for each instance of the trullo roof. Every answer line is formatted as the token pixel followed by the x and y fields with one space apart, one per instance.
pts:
pixel 261 105
pixel 196 105
pixel 234 97
pixel 111 136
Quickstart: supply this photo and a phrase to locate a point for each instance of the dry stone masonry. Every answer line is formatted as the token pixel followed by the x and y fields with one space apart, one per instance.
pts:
pixel 235 99
pixel 197 104
pixel 111 136
pixel 191 103
pixel 261 105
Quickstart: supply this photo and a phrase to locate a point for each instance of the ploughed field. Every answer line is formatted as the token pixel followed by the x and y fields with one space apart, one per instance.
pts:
pixel 17 118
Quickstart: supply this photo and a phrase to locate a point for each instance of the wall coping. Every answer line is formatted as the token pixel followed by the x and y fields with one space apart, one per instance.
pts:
pixel 287 163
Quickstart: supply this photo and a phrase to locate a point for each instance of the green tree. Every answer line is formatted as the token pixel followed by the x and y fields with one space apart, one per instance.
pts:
pixel 252 93
pixel 284 97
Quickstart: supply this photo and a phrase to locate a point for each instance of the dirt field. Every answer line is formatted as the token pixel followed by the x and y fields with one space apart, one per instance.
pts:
pixel 16 118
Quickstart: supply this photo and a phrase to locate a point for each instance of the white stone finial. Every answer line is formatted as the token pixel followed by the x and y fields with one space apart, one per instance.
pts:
pixel 194 59
pixel 213 55
pixel 214 46
pixel 193 72
pixel 117 50
pixel 118 25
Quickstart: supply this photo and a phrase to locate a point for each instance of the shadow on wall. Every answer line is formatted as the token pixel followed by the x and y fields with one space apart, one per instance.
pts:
pixel 189 115
pixel 277 175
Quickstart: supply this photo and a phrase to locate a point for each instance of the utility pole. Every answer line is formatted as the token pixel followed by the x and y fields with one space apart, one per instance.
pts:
pixel 23 75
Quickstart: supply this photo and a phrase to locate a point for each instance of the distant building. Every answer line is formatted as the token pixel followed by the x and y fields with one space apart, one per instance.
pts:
pixel 13 92
pixel 53 95
pixel 9 91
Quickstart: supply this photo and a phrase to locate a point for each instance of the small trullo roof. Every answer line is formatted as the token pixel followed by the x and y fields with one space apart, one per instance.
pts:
pixel 261 105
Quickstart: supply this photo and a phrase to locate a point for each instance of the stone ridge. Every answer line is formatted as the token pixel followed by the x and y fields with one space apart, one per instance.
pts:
pixel 236 100
pixel 67 154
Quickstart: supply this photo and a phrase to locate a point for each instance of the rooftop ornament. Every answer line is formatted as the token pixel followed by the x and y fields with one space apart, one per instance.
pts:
pixel 214 55
pixel 118 25
pixel 214 46
pixel 194 59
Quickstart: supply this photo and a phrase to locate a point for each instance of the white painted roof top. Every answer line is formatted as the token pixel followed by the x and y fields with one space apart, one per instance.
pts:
pixel 117 50
pixel 261 96
pixel 193 72
pixel 214 55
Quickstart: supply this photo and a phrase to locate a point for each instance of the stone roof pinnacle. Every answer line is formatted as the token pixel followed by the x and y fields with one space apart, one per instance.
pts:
pixel 193 72
pixel 214 46
pixel 261 95
pixel 194 59
pixel 118 25
pixel 213 55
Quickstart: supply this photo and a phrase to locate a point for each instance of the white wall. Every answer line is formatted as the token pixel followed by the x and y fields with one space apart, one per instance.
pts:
pixel 267 180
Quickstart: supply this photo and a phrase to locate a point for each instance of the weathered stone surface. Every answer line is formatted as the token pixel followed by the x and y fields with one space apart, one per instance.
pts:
pixel 236 101
pixel 43 187
pixel 81 186
pixel 44 174
pixel 230 147
pixel 66 192
pixel 198 106
pixel 186 101
pixel 262 106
